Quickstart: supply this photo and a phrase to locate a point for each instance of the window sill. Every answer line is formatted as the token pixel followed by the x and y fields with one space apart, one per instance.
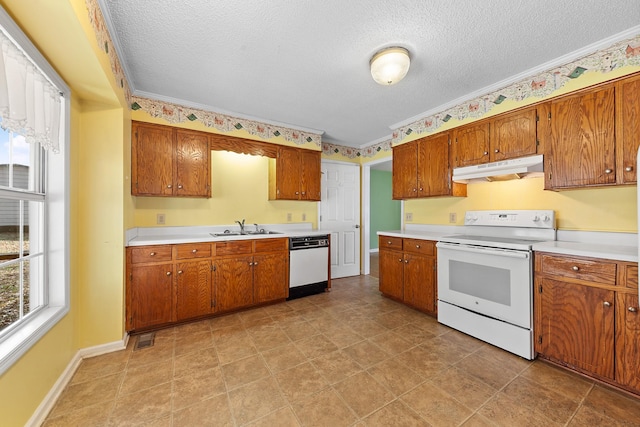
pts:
pixel 14 346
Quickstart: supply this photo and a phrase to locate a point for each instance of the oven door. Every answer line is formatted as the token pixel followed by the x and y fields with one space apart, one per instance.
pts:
pixel 493 282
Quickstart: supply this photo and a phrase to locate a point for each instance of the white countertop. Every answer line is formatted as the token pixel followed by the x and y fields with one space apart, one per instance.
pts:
pixel 606 245
pixel 142 236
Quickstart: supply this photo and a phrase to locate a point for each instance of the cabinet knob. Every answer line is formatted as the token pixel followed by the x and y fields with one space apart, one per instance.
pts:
pixel 388 242
pixel 169 186
pixel 179 186
pixel 297 192
pixel 485 153
pixel 179 271
pixel 194 251
pixel 255 263
pixel 632 309
pixel 575 268
pixel 152 254
pixel 608 171
pixel 628 168
pixel 496 151
pixel 417 246
pixel 168 273
pixel 406 261
pixel 400 259
pixel 251 263
pixel 607 304
pixel 415 189
pixel 421 189
pixel 304 192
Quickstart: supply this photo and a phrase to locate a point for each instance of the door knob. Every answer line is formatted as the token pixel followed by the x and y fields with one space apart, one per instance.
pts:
pixel 357 226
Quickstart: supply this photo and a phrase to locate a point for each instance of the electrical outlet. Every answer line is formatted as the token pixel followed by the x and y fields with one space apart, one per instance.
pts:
pixel 408 216
pixel 304 216
pixel 160 218
pixel 289 216
pixel 453 217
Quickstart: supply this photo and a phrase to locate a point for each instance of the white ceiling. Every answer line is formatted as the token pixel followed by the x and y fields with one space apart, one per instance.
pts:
pixel 306 63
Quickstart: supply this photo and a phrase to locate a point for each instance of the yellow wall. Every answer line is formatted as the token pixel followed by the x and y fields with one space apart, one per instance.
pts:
pixel 240 189
pixel 99 205
pixel 606 209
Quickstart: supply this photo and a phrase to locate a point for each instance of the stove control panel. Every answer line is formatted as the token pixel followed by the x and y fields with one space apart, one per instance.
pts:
pixel 512 218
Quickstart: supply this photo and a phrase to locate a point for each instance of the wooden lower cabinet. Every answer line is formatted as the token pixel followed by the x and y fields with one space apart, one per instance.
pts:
pixel 175 283
pixel 193 289
pixel 233 283
pixel 151 290
pixel 408 271
pixel 586 317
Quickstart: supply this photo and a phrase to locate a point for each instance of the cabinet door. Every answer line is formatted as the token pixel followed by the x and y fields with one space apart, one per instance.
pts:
pixel 288 174
pixel 193 289
pixel 270 274
pixel 582 140
pixel 192 164
pixel 514 135
pixel 627 340
pixel 233 283
pixel 151 296
pixel 628 137
pixel 310 179
pixel 471 145
pixel 434 174
pixel 576 325
pixel 405 171
pixel 391 274
pixel 419 281
pixel 151 160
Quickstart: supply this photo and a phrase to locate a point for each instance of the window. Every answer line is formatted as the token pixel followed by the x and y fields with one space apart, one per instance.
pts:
pixel 34 261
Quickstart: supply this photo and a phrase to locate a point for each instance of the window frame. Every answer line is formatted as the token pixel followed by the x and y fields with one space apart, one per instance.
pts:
pixel 56 212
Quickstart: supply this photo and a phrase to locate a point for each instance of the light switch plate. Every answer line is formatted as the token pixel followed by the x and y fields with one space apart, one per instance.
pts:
pixel 453 217
pixel 160 218
pixel 408 216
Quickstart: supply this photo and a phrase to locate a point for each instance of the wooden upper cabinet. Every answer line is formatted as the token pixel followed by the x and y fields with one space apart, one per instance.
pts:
pixel 295 175
pixel 581 150
pixel 471 144
pixel 404 170
pixel 628 128
pixel 169 162
pixel 434 173
pixel 151 160
pixel 310 182
pixel 192 164
pixel 422 169
pixel 514 135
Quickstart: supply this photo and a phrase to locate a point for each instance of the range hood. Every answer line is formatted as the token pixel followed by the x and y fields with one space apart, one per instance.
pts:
pixel 500 171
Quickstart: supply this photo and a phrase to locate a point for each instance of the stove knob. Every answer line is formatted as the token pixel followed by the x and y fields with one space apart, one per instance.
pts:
pixel 536 218
pixel 546 218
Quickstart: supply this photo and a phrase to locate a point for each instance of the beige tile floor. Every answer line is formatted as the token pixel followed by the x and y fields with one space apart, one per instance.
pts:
pixel 345 358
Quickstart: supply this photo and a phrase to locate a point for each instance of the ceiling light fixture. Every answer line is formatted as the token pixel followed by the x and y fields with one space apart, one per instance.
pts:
pixel 390 65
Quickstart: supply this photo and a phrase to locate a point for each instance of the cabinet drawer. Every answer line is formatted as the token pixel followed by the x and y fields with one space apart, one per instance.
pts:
pixel 234 247
pixel 631 276
pixel 193 250
pixel 271 245
pixel 424 247
pixel 592 270
pixel 390 242
pixel 144 254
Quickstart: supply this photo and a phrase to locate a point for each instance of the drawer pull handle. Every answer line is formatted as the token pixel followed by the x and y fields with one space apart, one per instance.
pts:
pixel 607 304
pixel 632 309
pixel 194 251
pixel 152 254
pixel 608 171
pixel 628 168
pixel 575 268
pixel 179 271
pixel 168 273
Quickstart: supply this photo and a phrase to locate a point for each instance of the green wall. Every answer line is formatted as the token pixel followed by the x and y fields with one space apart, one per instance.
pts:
pixel 385 212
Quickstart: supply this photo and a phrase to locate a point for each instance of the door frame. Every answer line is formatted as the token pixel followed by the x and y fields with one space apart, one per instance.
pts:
pixel 365 212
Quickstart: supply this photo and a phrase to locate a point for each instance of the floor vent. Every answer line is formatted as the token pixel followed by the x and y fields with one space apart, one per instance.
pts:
pixel 145 340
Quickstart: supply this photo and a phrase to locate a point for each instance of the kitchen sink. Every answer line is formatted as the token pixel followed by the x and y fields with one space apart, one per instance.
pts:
pixel 245 233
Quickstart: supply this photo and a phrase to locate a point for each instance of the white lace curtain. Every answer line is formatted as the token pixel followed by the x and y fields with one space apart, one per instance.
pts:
pixel 29 102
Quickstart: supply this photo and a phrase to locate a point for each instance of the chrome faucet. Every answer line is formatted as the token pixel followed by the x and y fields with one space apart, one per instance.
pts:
pixel 257 227
pixel 241 224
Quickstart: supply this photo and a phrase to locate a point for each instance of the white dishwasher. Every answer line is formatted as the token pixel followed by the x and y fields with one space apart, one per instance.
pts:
pixel 308 265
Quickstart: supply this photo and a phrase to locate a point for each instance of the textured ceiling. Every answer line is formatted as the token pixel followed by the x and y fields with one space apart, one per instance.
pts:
pixel 306 63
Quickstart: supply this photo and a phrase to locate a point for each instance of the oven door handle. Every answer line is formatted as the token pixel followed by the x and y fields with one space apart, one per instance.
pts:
pixel 489 251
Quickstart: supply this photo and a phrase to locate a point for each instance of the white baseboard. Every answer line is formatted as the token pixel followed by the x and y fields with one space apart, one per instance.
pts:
pixel 49 401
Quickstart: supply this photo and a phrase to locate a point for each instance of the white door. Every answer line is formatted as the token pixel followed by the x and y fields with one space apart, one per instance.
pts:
pixel 340 216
